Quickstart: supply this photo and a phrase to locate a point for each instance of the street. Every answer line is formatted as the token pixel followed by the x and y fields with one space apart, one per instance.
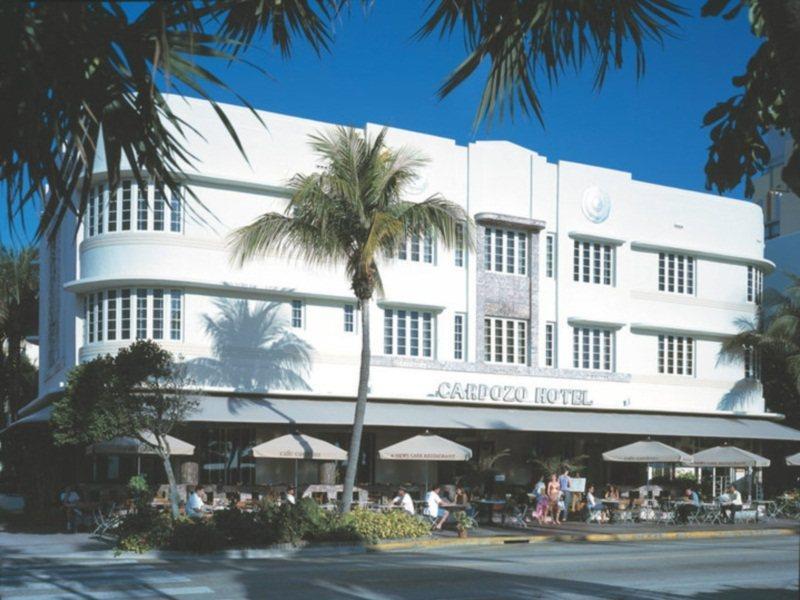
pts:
pixel 732 568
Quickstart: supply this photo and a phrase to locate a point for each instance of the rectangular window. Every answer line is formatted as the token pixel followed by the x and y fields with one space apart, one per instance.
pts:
pixel 112 315
pixel 112 210
pixel 675 273
pixel 125 315
pixel 158 208
pixel 297 314
pixel 550 255
pixel 752 364
pixel 90 322
pixel 675 355
pixel 141 314
pixel 100 314
pixel 505 341
pixel 175 314
pixel 408 333
pixel 126 205
pixel 101 201
pixel 90 204
pixel 141 208
pixel 158 314
pixel 175 212
pixel 550 345
pixel 458 337
pixel 427 254
pixel 415 248
pixel 593 262
pixel 349 318
pixel 593 348
pixel 505 251
pixel 418 248
pixel 755 284
pixel 459 250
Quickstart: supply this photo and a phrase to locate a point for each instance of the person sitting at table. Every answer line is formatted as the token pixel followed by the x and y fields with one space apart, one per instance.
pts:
pixel 689 506
pixel 462 499
pixel 70 499
pixel 553 496
pixel 595 506
pixel 290 495
pixel 612 493
pixel 195 507
pixel 404 501
pixel 733 504
pixel 434 504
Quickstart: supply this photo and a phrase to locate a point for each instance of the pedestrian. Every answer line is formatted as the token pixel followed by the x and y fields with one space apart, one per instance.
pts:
pixel 70 500
pixel 565 483
pixel 553 495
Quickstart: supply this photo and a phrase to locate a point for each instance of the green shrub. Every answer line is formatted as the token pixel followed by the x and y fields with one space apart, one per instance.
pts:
pixel 144 530
pixel 243 529
pixel 199 537
pixel 140 491
pixel 373 526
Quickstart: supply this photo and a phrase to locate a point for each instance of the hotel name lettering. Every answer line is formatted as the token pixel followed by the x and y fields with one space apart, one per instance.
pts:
pixel 513 394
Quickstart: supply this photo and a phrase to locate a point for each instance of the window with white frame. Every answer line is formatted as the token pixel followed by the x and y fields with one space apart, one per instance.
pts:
pixel 550 344
pixel 417 248
pixel 752 363
pixel 676 273
pixel 675 355
pixel 108 314
pixel 297 314
pixel 505 341
pixel 112 210
pixel 593 348
pixel 407 332
pixel 459 336
pixel 505 251
pixel 755 284
pixel 459 249
pixel 349 318
pixel 550 255
pixel 593 262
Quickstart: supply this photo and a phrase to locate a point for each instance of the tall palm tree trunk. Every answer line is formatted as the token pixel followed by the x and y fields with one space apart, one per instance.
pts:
pixel 361 408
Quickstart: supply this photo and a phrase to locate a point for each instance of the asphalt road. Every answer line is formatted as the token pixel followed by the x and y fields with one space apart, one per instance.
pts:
pixel 760 568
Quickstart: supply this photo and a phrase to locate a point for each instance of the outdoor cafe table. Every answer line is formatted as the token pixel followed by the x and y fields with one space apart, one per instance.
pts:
pixel 487 506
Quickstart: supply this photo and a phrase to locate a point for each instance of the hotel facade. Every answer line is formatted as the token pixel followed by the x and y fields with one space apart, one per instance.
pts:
pixel 590 312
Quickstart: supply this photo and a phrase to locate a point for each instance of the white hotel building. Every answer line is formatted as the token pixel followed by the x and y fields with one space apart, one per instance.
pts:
pixel 590 314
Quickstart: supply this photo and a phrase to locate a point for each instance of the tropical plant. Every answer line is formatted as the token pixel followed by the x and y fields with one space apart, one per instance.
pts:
pixel 80 78
pixel 253 349
pixel 547 465
pixel 352 213
pixel 140 393
pixel 772 342
pixel 19 317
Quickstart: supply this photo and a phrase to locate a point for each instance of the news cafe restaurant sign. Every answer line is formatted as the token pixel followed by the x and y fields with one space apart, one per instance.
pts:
pixel 512 394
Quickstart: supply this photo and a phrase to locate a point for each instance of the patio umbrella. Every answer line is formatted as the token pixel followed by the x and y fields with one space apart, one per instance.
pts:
pixel 793 460
pixel 298 446
pixel 647 451
pixel 426 447
pixel 730 457
pixel 131 445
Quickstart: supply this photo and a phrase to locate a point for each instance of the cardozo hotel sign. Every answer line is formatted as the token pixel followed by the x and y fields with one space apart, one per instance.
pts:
pixel 513 394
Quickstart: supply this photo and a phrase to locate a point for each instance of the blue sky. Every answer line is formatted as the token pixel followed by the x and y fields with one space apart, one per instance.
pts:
pixel 375 72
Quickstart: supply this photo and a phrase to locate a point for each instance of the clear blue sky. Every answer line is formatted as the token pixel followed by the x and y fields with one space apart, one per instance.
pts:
pixel 375 72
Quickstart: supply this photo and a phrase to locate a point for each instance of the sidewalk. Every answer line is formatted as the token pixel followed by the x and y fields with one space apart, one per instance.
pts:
pixel 81 547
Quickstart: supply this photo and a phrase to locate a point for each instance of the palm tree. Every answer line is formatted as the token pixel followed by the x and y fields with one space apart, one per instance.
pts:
pixel 772 342
pixel 352 213
pixel 19 316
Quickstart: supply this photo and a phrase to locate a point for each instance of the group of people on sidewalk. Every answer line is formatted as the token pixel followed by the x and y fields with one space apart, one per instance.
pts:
pixel 434 505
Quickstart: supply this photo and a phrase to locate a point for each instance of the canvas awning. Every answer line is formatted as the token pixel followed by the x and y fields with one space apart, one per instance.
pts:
pixel 130 445
pixel 728 456
pixel 426 447
pixel 793 460
pixel 299 447
pixel 421 415
pixel 647 452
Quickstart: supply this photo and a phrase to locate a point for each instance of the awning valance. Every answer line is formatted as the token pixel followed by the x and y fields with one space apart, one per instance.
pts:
pixel 441 416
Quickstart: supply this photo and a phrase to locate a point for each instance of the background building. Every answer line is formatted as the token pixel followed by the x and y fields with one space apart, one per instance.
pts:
pixel 592 310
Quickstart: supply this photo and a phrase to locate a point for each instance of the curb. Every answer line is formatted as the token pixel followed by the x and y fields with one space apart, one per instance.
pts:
pixel 571 538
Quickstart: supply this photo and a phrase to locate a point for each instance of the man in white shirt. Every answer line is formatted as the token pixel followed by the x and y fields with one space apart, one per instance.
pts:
pixel 734 504
pixel 290 496
pixel 434 505
pixel 196 508
pixel 404 501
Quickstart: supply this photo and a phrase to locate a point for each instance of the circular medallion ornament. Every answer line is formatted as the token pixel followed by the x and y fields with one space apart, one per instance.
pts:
pixel 596 204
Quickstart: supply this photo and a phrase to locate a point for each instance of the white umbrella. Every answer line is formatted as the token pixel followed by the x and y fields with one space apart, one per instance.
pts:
pixel 793 460
pixel 299 447
pixel 647 452
pixel 426 447
pixel 728 456
pixel 131 445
